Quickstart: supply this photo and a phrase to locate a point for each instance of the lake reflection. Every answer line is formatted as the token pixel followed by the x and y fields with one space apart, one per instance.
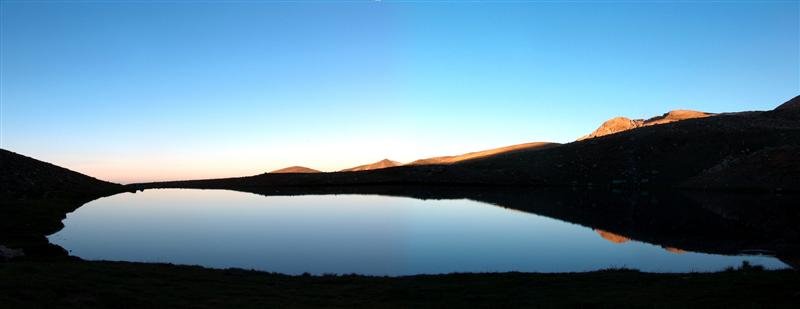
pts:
pixel 364 234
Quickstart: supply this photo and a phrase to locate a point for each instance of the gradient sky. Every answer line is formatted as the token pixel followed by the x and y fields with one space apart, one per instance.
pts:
pixel 142 91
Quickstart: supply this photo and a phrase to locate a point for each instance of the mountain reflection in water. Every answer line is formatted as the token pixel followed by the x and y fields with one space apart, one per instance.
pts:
pixel 374 233
pixel 719 223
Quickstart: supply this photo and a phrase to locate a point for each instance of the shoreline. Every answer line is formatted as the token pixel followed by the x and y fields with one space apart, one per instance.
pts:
pixel 89 284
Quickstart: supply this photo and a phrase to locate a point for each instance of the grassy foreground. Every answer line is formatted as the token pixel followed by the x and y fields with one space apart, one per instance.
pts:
pixel 85 284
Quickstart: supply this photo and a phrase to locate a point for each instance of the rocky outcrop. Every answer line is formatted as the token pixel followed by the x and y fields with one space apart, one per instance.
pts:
pixel 614 125
pixel 295 169
pixel 620 124
pixel 385 163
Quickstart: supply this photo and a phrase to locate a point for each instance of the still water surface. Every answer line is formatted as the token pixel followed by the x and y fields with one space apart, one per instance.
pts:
pixel 364 234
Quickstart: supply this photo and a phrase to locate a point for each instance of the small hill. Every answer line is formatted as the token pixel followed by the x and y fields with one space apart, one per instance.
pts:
pixel 619 124
pixel 21 176
pixel 374 166
pixel 481 154
pixel 295 169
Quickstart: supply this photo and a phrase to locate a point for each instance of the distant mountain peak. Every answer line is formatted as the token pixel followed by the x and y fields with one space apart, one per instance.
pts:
pixel 295 169
pixel 385 163
pixel 619 124
pixel 614 125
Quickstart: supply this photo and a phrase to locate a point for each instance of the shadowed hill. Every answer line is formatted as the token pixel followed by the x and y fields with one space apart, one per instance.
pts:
pixel 793 104
pixel 748 170
pixel 385 163
pixel 21 176
pixel 295 169
pixel 35 197
pixel 619 124
pixel 481 154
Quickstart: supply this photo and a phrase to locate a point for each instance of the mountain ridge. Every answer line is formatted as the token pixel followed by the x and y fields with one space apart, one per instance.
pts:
pixel 619 124
pixel 656 156
pixel 385 163
pixel 665 155
pixel 481 153
pixel 294 169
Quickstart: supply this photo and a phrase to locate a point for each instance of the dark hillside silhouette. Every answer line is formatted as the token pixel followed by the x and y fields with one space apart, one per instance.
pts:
pixel 21 176
pixel 36 196
pixel 793 104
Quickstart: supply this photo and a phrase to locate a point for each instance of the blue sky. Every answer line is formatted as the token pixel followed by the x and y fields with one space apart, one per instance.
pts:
pixel 143 91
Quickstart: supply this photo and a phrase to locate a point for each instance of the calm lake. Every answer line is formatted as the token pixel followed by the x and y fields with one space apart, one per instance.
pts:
pixel 364 234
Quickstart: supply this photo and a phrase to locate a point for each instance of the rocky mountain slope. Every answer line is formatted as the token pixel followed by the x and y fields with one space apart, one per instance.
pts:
pixel 619 124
